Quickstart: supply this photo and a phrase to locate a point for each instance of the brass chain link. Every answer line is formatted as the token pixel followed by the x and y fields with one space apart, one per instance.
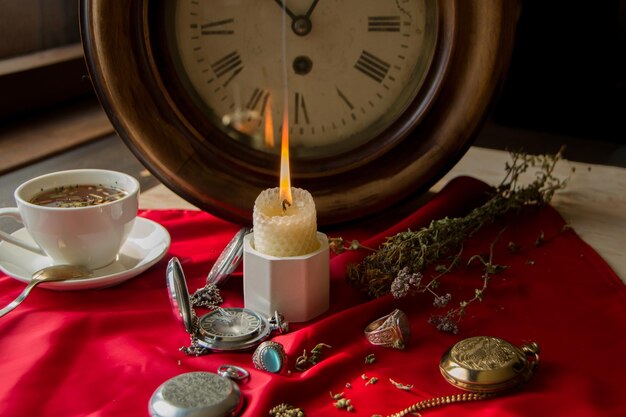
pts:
pixel 437 401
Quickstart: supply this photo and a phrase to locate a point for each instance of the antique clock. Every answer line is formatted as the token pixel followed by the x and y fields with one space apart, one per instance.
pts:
pixel 379 98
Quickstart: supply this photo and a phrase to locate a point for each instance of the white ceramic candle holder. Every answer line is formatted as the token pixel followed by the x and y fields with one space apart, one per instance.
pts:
pixel 296 286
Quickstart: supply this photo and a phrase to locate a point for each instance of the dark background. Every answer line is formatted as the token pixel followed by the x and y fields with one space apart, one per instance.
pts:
pixel 568 70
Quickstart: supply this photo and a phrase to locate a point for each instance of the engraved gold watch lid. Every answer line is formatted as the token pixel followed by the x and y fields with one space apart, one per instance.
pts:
pixel 488 364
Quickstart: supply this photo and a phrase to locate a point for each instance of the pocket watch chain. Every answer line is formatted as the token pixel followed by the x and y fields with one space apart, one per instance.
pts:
pixel 447 399
pixel 207 296
pixel 503 367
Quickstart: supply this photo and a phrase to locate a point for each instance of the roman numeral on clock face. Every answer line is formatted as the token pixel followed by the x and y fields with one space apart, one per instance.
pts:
pixel 345 99
pixel 219 27
pixel 258 100
pixel 372 66
pixel 383 24
pixel 301 113
pixel 230 65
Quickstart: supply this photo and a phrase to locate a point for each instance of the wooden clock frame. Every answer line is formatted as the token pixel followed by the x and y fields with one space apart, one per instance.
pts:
pixel 155 118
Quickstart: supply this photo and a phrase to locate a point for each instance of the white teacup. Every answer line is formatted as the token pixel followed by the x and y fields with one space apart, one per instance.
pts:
pixel 90 236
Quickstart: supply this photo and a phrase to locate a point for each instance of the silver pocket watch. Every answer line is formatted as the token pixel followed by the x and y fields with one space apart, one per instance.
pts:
pixel 200 394
pixel 223 329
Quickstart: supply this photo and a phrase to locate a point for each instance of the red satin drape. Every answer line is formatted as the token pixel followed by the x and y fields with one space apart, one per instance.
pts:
pixel 103 352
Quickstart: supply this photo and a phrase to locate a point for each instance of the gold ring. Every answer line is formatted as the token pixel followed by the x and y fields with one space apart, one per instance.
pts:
pixel 392 330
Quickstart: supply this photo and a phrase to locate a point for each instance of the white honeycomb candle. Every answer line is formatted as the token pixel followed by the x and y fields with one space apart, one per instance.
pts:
pixel 285 259
pixel 288 232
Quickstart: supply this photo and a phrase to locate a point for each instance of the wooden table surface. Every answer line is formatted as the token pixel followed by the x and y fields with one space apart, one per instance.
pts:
pixel 593 203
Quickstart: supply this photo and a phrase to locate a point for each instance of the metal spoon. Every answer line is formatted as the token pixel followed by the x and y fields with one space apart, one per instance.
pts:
pixel 49 274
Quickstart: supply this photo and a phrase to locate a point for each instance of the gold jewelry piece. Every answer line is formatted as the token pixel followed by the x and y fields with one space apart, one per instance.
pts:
pixel 483 365
pixel 392 330
pixel 489 364
pixel 434 402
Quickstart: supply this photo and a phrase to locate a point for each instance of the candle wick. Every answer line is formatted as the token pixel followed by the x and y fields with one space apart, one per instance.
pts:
pixel 285 205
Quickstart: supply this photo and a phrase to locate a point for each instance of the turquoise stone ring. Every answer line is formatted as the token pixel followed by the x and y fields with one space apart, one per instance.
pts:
pixel 269 356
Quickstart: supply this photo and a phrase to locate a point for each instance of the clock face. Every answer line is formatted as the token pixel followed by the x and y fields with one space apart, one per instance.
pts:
pixel 343 71
pixel 230 324
pixel 381 98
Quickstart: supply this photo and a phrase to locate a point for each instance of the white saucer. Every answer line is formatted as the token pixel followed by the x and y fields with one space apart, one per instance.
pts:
pixel 146 244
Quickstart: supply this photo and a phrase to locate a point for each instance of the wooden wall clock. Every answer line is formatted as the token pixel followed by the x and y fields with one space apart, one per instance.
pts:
pixel 382 96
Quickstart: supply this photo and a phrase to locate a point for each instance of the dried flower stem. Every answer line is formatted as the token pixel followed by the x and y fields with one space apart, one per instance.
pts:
pixel 449 321
pixel 397 266
pixel 338 245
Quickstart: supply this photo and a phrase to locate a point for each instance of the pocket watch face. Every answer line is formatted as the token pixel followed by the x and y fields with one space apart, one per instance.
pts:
pixel 343 70
pixel 231 324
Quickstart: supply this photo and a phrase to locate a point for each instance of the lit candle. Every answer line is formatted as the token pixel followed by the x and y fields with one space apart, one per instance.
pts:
pixel 284 219
pixel 269 125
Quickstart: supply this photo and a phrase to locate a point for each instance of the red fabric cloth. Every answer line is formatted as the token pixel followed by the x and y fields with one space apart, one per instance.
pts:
pixel 104 352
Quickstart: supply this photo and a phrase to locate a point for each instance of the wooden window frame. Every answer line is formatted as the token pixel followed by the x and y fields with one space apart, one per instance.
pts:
pixel 47 105
pixel 42 80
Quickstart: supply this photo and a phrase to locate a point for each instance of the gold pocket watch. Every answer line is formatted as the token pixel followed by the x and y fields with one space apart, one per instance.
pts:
pixel 483 366
pixel 489 364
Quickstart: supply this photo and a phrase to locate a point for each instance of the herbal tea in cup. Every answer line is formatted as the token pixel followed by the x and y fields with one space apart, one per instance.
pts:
pixel 78 217
pixel 77 195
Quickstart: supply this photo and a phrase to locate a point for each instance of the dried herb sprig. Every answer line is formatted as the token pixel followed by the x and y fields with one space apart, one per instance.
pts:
pixel 342 403
pixel 404 387
pixel 304 361
pixel 370 359
pixel 398 265
pixel 448 322
pixel 339 245
pixel 286 410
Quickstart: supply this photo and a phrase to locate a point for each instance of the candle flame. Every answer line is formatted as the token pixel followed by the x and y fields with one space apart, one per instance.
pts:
pixel 269 124
pixel 285 180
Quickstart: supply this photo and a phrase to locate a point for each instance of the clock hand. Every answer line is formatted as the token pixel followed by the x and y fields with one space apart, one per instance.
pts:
pixel 308 13
pixel 283 6
pixel 225 315
pixel 301 25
